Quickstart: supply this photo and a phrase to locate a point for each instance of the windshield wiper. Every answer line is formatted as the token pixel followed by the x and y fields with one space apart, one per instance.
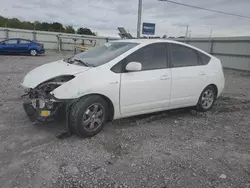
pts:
pixel 84 63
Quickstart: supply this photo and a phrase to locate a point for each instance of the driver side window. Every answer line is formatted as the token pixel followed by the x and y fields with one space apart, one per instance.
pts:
pixel 153 56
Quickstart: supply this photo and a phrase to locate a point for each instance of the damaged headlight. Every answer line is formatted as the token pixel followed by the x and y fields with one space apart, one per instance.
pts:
pixel 43 90
pixel 53 83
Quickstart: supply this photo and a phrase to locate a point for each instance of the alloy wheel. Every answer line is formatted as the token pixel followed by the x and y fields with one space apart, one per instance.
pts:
pixel 33 52
pixel 207 99
pixel 93 117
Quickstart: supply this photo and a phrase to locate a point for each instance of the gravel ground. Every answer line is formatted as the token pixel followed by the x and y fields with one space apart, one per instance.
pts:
pixel 180 148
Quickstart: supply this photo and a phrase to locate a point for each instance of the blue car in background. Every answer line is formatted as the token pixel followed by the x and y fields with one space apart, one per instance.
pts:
pixel 21 46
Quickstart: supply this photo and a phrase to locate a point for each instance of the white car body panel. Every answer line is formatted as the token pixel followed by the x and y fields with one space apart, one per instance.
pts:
pixel 137 89
pixel 91 82
pixel 50 70
pixel 186 81
pixel 133 93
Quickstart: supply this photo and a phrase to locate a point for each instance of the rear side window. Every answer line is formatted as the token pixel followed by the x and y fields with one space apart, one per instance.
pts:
pixel 183 56
pixel 153 56
pixel 24 42
pixel 204 59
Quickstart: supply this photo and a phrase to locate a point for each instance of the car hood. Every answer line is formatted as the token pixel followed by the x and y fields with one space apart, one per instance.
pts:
pixel 49 71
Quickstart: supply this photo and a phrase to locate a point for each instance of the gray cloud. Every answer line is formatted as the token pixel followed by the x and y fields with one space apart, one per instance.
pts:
pixel 104 16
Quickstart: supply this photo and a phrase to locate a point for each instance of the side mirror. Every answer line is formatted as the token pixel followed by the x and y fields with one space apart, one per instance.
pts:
pixel 133 66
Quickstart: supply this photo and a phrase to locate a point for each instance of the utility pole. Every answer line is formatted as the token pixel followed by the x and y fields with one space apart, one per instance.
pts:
pixel 190 34
pixel 186 32
pixel 139 19
pixel 210 34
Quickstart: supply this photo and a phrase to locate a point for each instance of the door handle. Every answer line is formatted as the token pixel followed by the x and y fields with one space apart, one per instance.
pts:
pixel 164 77
pixel 202 73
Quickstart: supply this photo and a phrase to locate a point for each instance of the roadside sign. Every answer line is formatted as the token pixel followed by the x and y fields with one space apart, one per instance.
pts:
pixel 148 28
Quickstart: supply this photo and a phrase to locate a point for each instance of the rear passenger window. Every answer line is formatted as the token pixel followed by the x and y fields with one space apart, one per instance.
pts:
pixel 204 59
pixel 183 56
pixel 24 41
pixel 153 56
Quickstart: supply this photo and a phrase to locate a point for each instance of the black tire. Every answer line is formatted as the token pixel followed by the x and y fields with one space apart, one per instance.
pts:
pixel 79 109
pixel 61 113
pixel 201 105
pixel 33 52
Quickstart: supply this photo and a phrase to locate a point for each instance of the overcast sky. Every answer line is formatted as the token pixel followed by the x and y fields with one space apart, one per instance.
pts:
pixel 104 16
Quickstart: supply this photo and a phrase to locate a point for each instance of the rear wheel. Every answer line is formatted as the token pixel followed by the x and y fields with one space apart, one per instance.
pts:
pixel 207 99
pixel 33 52
pixel 88 116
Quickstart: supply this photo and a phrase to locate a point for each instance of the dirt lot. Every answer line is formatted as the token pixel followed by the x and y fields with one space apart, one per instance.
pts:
pixel 180 148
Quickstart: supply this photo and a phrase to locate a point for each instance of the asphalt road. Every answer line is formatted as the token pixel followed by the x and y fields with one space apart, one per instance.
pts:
pixel 180 148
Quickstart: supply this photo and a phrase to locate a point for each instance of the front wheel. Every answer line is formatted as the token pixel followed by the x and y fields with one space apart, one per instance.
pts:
pixel 88 116
pixel 207 99
pixel 33 52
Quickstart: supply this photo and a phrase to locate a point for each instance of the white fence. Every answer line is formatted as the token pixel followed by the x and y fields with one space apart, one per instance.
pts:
pixel 53 40
pixel 234 52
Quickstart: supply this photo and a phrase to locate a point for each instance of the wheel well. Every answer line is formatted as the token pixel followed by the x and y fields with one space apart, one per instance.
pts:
pixel 110 105
pixel 32 49
pixel 215 88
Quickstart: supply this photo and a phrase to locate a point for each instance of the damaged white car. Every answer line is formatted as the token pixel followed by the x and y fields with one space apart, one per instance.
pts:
pixel 120 79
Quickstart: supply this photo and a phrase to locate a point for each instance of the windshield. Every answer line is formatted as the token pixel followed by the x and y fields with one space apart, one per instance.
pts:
pixel 101 54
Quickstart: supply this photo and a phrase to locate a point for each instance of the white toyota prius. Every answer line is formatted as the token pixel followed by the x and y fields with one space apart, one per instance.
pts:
pixel 120 79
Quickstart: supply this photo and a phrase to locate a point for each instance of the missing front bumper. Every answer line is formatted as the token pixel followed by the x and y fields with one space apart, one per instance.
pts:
pixel 62 110
pixel 39 114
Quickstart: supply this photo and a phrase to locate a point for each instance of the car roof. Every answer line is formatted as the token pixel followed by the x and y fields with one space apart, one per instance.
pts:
pixel 17 39
pixel 151 41
pixel 148 41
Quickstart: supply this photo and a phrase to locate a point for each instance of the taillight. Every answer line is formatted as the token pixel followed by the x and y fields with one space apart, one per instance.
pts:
pixel 40 45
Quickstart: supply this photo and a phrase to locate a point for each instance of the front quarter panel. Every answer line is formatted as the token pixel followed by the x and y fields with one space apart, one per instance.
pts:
pixel 100 80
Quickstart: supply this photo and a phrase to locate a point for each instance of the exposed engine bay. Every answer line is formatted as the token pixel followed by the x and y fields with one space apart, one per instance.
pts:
pixel 40 104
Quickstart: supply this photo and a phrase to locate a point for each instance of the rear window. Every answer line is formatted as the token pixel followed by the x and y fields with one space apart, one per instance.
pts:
pixel 203 58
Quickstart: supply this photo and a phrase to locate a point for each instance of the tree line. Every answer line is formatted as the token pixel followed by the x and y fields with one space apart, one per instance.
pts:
pixel 43 26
